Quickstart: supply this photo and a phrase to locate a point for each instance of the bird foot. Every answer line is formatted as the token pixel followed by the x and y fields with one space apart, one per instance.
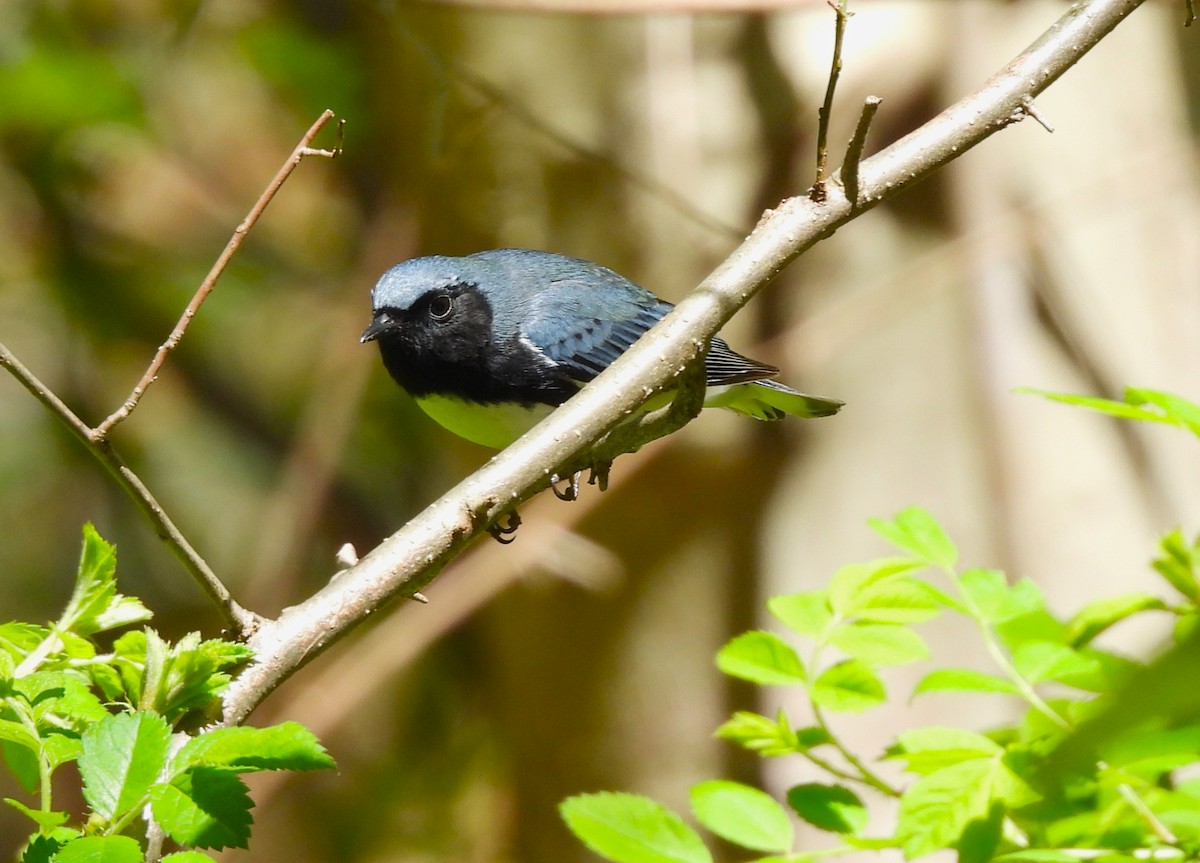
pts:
pixel 571 491
pixel 503 532
pixel 599 475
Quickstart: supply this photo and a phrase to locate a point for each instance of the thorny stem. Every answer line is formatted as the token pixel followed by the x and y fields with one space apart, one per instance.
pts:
pixel 826 110
pixel 304 148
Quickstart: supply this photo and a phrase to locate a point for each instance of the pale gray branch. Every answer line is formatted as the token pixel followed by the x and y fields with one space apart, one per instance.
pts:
pixel 412 557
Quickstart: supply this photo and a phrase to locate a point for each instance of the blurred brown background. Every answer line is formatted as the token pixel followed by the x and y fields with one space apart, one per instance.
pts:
pixel 134 135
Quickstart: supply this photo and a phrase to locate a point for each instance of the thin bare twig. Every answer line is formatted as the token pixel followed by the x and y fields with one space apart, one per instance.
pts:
pixel 412 557
pixel 1189 15
pixel 236 618
pixel 304 148
pixel 826 110
pixel 855 150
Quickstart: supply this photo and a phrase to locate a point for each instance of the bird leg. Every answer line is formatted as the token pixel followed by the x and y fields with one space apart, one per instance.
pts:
pixel 503 532
pixel 571 492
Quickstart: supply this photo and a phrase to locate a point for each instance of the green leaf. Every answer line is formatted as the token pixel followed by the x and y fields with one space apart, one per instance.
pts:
pixel 186 857
pixel 122 757
pixel 629 828
pixel 1041 661
pixel 287 746
pixel 880 644
pixel 1099 614
pixel 22 763
pixel 926 750
pixel 915 531
pixel 46 821
pixel 100 849
pixel 848 687
pixel 940 807
pixel 963 680
pixel 205 807
pixel 851 582
pixel 902 599
pixel 742 815
pixel 804 613
pixel 1180 564
pixel 1174 409
pixel 759 733
pixel 986 591
pixel 95 606
pixel 761 657
pixel 1139 404
pixel 829 807
pixel 1038 855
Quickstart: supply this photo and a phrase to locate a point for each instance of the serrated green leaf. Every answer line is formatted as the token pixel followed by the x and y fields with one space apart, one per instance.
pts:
pixel 1180 564
pixel 986 591
pixel 287 746
pixel 186 857
pixel 1100 614
pixel 758 733
pixel 95 606
pixel 940 807
pixel 847 585
pixel 100 849
pixel 19 734
pixel 1041 661
pixel 205 807
pixel 46 821
pixel 22 763
pixel 122 757
pixel 926 750
pixel 880 644
pixel 18 639
pixel 963 680
pixel 848 687
pixel 763 658
pixel 804 613
pixel 904 599
pixel 915 531
pixel 742 815
pixel 834 808
pixel 629 828
pixel 42 848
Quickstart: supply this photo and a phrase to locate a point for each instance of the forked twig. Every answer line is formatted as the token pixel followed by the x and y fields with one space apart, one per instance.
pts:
pixel 304 148
pixel 855 149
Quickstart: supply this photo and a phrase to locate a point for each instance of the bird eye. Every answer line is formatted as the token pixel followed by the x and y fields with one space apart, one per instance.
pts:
pixel 440 307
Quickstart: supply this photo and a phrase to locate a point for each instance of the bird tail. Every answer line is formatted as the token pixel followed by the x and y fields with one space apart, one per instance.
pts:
pixel 770 400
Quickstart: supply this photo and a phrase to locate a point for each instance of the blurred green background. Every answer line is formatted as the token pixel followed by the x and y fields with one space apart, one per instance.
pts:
pixel 134 136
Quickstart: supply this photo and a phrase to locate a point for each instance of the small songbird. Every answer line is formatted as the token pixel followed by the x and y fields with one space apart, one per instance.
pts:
pixel 490 343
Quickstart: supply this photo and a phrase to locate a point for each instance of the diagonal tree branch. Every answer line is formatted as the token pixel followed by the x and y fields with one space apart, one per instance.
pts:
pixel 236 618
pixel 410 558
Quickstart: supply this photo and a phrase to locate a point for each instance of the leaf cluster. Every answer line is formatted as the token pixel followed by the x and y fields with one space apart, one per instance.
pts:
pixel 119 716
pixel 984 795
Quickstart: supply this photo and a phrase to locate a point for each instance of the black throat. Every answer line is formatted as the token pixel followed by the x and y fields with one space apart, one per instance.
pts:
pixel 462 356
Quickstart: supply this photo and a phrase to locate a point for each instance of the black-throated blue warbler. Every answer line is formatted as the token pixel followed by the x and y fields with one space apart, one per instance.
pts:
pixel 490 343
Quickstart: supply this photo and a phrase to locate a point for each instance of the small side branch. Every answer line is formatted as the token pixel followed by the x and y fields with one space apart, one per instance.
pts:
pixel 855 150
pixel 304 148
pixel 826 110
pixel 236 618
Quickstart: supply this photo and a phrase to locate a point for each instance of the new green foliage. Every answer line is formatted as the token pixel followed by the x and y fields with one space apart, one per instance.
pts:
pixel 1088 769
pixel 118 715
